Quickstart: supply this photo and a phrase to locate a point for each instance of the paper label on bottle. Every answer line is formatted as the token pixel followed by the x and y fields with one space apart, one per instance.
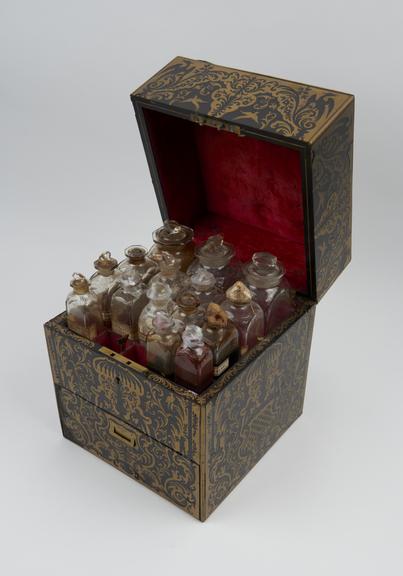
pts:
pixel 218 370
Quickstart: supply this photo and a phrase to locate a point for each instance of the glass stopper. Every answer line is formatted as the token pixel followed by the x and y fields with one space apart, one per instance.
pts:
pixel 264 270
pixel 159 291
pixel 215 252
pixel 135 253
pixel 192 336
pixel 105 263
pixel 187 301
pixel 203 280
pixel 172 233
pixel 79 283
pixel 162 322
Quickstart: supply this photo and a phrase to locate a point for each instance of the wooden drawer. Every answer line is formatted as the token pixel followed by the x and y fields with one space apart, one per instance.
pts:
pixel 141 457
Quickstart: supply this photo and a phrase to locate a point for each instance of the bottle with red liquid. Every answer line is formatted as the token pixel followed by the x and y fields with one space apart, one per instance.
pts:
pixel 194 366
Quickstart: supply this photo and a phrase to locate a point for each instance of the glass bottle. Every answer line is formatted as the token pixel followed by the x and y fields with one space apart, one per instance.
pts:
pixel 176 239
pixel 217 257
pixel 189 310
pixel 170 273
pixel 162 342
pixel 84 315
pixel 246 314
pixel 204 285
pixel 137 259
pixel 127 304
pixel 221 336
pixel 265 278
pixel 194 360
pixel 160 300
pixel 104 282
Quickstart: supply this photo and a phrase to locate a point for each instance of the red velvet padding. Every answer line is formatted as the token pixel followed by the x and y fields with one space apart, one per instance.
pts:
pixel 249 190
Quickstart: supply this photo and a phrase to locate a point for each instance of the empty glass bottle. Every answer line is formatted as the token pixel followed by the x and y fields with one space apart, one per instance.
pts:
pixel 175 239
pixel 189 310
pixel 160 300
pixel 104 282
pixel 203 284
pixel 127 303
pixel 162 342
pixel 170 273
pixel 221 336
pixel 246 314
pixel 217 257
pixel 137 259
pixel 265 278
pixel 194 360
pixel 84 315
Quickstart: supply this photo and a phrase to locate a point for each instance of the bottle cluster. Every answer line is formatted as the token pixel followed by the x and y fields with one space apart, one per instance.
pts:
pixel 186 312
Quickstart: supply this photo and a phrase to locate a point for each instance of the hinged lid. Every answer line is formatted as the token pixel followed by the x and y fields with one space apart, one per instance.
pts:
pixel 265 162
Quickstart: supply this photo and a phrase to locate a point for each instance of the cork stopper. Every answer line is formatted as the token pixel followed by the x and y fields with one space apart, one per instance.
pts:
pixel 216 316
pixel 79 283
pixel 136 253
pixel 172 233
pixel 105 264
pixel 188 302
pixel 215 252
pixel 239 294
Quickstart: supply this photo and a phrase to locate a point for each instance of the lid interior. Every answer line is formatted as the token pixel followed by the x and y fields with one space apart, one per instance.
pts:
pixel 249 190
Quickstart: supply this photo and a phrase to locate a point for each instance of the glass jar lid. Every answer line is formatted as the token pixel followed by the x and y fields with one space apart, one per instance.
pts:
pixel 105 264
pixel 187 301
pixel 172 234
pixel 203 280
pixel 79 283
pixel 215 252
pixel 264 271
pixel 239 294
pixel 136 253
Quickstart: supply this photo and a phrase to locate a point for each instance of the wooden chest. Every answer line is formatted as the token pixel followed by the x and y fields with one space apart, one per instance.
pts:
pixel 269 163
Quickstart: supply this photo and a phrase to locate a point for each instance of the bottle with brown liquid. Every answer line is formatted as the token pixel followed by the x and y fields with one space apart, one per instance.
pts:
pixel 221 336
pixel 84 315
pixel 170 273
pixel 175 239
pixel 246 314
pixel 189 310
pixel 265 278
pixel 127 304
pixel 104 282
pixel 203 285
pixel 217 257
pixel 194 360
pixel 162 343
pixel 138 260
pixel 160 300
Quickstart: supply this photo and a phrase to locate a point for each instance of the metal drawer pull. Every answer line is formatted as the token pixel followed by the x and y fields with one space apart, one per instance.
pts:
pixel 122 434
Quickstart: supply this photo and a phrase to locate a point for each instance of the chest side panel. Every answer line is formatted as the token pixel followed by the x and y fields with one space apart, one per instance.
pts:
pixel 254 410
pixel 132 452
pixel 159 412
pixel 332 171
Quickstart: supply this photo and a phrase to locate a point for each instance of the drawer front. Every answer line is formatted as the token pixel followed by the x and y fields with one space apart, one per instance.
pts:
pixel 141 457
pixel 113 384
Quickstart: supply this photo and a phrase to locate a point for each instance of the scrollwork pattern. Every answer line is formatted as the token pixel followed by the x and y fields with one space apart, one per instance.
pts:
pixel 332 183
pixel 272 105
pixel 255 408
pixel 161 469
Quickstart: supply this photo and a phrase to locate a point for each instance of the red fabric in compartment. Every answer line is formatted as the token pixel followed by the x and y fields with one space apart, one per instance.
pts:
pixel 247 189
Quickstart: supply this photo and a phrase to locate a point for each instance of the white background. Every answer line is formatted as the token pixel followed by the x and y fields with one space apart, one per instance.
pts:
pixel 327 499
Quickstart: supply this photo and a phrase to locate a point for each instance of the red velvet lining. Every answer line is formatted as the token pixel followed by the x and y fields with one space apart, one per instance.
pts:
pixel 249 190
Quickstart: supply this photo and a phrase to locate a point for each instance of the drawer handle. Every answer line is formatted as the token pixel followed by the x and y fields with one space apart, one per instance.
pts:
pixel 122 434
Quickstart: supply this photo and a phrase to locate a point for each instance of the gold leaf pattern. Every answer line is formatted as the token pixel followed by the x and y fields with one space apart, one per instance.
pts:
pixel 269 104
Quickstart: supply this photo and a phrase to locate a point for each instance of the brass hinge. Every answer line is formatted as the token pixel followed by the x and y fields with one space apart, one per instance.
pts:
pixel 216 123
